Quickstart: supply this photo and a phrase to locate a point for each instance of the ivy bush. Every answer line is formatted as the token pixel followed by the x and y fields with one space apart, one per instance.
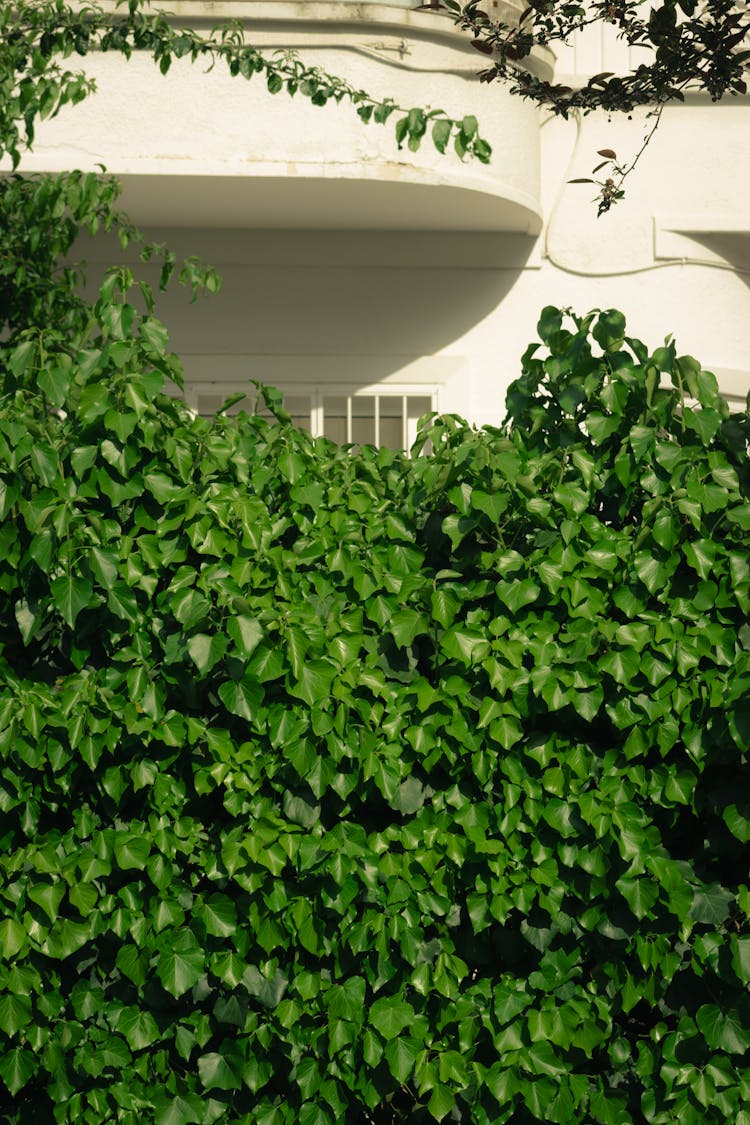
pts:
pixel 340 786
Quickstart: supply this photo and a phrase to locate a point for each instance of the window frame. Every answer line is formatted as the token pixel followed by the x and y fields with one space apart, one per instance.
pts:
pixel 319 391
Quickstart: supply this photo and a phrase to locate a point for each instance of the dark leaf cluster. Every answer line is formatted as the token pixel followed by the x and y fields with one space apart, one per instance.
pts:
pixel 682 46
pixel 685 46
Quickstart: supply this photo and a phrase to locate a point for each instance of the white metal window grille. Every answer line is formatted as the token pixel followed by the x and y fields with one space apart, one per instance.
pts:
pixel 207 399
pixel 370 416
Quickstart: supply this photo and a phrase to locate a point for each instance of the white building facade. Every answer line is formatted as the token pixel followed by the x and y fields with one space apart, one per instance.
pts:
pixel 372 284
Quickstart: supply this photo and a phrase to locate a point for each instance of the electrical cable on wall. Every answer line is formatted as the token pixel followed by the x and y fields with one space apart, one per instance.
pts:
pixel 558 264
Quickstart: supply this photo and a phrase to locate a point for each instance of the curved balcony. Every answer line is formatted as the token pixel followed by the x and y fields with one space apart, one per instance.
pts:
pixel 207 149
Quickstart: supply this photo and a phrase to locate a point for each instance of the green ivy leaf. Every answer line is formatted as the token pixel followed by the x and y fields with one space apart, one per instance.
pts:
pixel 219 915
pixel 163 488
pixel 241 697
pixel 12 937
pixel 405 625
pixel 246 632
pixel 741 957
pixel 401 1055
pixel 16 1068
pixel 131 851
pixel 701 555
pixel 640 893
pixel 314 685
pixel 737 823
pixel 268 990
pixel 346 1001
pixel 549 324
pixel 180 1111
pixel 206 651
pixel 66 937
pixel 216 1073
pixel 15 1013
pixel 311 1113
pixel 103 563
pixel 724 1031
pixel 609 330
pixel 266 665
pixel 48 896
pixel 132 963
pixel 191 608
pixel 704 422
pixel 711 904
pixel 72 594
pixel 139 1028
pixel 517 594
pixel 467 646
pixel 390 1016
pixel 621 664
pixel 155 334
pixel 181 964
pixel 442 1100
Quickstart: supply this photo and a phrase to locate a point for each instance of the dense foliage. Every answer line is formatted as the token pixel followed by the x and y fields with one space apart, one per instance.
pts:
pixel 340 786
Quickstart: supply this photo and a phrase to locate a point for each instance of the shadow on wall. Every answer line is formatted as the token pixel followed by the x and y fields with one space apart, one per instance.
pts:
pixel 301 306
pixel 726 247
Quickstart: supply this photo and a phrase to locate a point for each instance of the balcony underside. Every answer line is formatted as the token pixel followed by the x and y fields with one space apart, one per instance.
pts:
pixel 322 201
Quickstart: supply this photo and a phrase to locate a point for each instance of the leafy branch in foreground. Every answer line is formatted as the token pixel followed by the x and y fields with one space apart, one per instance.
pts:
pixel 685 45
pixel 44 217
pixel 610 188
pixel 697 53
pixel 36 34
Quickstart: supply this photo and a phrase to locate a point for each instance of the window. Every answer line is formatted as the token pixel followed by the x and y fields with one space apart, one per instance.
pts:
pixel 377 416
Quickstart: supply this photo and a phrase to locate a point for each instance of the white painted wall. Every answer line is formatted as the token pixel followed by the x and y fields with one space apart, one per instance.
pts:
pixel 347 262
